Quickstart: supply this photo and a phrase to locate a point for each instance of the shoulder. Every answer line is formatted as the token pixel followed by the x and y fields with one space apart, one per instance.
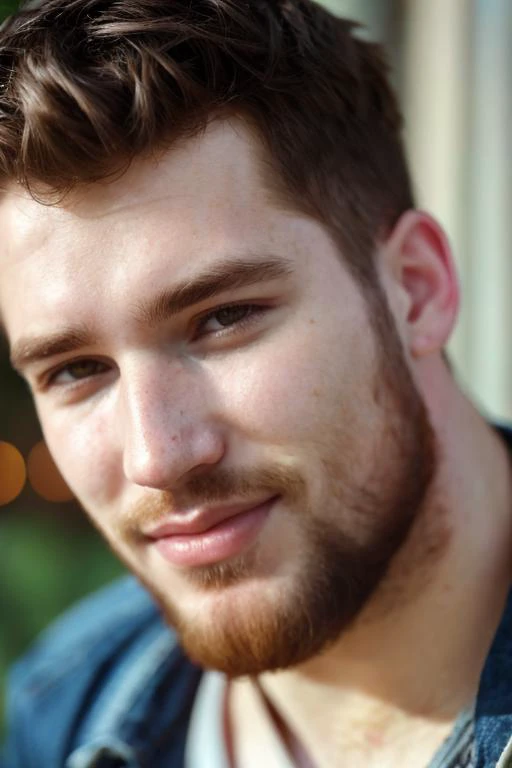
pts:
pixel 52 689
pixel 94 627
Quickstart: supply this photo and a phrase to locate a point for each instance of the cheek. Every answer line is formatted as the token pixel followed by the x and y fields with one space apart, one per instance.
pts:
pixel 82 449
pixel 293 388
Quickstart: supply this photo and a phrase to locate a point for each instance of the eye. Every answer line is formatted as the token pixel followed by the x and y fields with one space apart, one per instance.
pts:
pixel 76 371
pixel 228 317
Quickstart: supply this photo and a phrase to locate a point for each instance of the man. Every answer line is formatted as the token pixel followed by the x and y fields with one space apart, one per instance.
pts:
pixel 214 279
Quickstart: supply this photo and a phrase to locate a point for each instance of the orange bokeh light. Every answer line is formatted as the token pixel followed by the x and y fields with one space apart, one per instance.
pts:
pixel 13 473
pixel 44 476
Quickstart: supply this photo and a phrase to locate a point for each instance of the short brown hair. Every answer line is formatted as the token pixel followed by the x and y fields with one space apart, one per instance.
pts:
pixel 86 85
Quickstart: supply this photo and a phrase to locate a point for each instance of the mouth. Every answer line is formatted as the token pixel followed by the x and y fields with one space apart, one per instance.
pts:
pixel 211 536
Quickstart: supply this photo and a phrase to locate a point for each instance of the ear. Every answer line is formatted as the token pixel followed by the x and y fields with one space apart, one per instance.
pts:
pixel 418 259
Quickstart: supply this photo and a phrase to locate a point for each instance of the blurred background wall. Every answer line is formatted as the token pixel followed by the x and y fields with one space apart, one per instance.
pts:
pixel 453 71
pixel 452 62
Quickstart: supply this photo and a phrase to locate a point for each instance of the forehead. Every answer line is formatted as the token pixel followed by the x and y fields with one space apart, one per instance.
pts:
pixel 221 165
pixel 203 198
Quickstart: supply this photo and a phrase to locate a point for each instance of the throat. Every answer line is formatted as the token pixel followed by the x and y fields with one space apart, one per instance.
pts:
pixel 260 735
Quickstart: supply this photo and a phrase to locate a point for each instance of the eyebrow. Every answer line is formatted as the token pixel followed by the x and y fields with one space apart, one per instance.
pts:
pixel 33 349
pixel 224 276
pixel 227 275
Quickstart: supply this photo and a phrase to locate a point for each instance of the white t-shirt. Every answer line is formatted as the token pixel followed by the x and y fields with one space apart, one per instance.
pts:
pixel 259 745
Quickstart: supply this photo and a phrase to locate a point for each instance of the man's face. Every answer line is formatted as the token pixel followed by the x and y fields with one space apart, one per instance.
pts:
pixel 214 391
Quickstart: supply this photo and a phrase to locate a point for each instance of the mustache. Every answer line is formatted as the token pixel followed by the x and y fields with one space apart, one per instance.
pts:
pixel 221 485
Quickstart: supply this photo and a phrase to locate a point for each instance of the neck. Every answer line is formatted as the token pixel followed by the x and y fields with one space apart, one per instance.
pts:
pixel 416 652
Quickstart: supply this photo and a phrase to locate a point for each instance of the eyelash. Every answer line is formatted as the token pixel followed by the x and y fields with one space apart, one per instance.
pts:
pixel 254 311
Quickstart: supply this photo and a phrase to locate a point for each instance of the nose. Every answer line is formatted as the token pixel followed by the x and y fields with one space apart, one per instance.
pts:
pixel 167 425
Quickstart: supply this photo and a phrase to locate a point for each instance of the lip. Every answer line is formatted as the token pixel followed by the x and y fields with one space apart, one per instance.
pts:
pixel 201 520
pixel 212 536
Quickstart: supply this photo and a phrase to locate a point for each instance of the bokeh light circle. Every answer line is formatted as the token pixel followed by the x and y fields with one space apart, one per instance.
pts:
pixel 13 473
pixel 44 476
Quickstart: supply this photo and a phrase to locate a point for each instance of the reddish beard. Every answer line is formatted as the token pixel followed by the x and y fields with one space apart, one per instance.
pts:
pixel 338 573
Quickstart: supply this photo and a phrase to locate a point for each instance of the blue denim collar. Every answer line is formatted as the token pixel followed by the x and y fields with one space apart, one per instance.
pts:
pixel 493 714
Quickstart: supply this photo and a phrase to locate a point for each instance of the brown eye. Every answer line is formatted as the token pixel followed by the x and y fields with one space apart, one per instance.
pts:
pixel 229 319
pixel 231 315
pixel 77 371
pixel 225 318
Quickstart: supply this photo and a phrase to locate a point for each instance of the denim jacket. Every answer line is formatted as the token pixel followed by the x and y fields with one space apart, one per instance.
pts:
pixel 109 687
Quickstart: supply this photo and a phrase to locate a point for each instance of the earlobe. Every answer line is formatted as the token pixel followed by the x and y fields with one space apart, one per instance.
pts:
pixel 424 268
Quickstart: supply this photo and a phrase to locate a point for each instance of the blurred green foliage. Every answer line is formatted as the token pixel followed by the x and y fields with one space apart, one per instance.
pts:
pixel 45 564
pixel 7 7
pixel 49 554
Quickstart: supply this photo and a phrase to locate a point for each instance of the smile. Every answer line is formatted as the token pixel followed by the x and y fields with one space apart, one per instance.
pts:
pixel 195 543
